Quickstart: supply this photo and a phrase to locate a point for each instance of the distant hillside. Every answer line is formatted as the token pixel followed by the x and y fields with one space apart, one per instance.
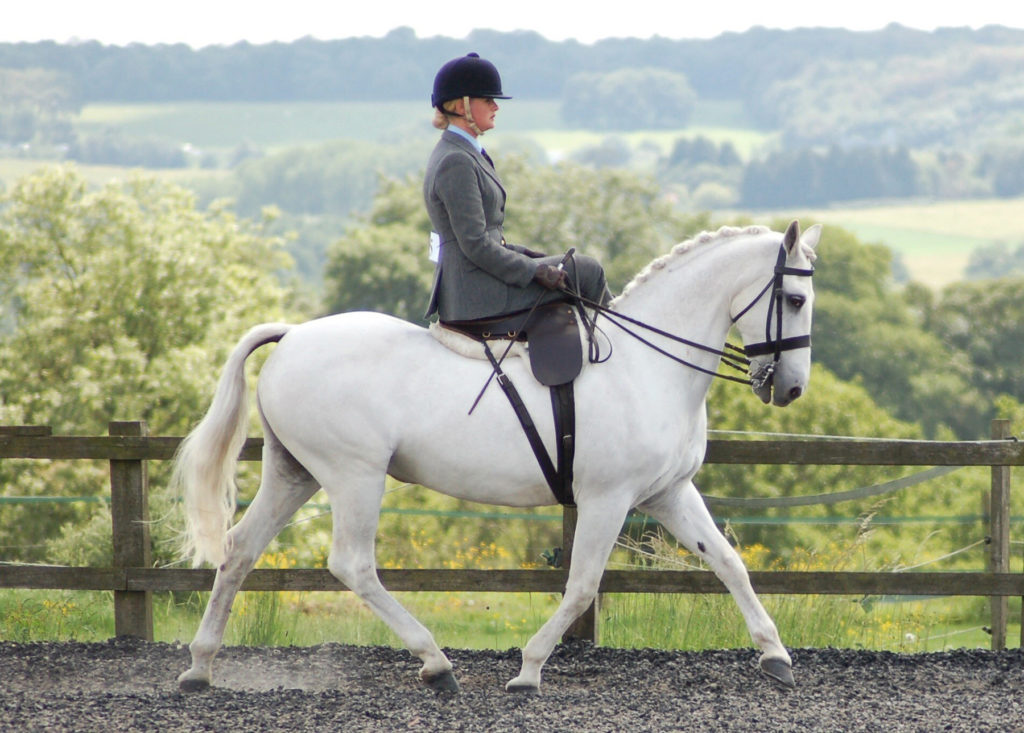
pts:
pixel 400 66
pixel 841 115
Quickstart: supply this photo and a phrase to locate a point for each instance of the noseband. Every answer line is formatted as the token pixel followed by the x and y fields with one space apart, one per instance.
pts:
pixel 777 345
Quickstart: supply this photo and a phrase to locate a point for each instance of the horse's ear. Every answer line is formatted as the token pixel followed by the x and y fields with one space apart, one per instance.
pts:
pixel 792 236
pixel 811 237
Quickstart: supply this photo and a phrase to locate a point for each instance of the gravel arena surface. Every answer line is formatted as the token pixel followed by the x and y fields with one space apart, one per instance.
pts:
pixel 130 685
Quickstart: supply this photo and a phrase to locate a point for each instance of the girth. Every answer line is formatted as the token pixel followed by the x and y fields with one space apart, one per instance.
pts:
pixel 563 407
pixel 556 360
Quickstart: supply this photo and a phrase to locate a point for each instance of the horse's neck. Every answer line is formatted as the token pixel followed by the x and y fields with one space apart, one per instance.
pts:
pixel 691 295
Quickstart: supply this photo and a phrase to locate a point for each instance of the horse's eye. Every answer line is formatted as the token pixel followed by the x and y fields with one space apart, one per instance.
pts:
pixel 796 301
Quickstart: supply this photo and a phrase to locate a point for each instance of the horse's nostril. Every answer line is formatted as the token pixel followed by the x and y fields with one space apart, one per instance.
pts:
pixel 795 392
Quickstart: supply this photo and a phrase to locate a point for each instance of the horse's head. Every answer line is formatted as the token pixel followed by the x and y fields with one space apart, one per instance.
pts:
pixel 776 324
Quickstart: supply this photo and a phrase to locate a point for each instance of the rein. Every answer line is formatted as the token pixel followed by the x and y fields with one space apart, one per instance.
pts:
pixel 730 355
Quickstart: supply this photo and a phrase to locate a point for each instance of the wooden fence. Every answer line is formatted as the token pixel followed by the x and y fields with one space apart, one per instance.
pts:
pixel 133 580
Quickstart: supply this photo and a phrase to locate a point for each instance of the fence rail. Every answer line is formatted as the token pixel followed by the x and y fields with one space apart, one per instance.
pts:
pixel 133 580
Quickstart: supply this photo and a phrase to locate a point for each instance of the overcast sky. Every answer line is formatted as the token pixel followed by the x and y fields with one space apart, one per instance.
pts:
pixel 206 22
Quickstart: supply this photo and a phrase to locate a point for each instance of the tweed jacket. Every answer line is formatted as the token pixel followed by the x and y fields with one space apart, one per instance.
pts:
pixel 477 274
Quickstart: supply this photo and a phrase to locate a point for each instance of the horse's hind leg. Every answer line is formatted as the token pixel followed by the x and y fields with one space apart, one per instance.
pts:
pixel 285 486
pixel 683 513
pixel 356 508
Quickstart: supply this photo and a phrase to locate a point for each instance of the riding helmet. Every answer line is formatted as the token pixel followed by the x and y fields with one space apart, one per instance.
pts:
pixel 466 76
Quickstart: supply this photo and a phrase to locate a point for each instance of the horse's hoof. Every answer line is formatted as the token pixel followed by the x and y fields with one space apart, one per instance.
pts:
pixel 779 670
pixel 522 685
pixel 193 684
pixel 444 682
pixel 521 689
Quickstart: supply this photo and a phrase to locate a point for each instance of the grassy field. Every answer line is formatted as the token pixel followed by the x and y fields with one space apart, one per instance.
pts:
pixel 505 620
pixel 508 620
pixel 280 124
pixel 268 125
pixel 935 239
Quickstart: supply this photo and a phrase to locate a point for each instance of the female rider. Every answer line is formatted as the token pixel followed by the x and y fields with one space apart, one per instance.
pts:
pixel 478 274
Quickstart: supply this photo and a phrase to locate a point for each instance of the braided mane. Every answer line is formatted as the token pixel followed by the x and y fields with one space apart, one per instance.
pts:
pixel 685 248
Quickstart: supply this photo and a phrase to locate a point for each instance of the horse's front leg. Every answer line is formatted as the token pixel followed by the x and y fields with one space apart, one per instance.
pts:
pixel 683 513
pixel 597 526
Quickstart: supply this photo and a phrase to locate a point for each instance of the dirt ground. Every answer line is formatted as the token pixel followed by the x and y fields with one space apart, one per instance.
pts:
pixel 130 685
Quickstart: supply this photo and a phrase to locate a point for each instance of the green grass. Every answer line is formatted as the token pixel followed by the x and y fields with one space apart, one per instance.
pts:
pixel 934 239
pixel 272 125
pixel 269 125
pixel 508 620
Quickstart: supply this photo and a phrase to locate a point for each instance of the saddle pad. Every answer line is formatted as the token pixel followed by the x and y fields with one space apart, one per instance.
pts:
pixel 468 346
pixel 554 344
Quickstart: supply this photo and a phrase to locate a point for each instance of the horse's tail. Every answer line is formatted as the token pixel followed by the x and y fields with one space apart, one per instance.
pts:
pixel 204 467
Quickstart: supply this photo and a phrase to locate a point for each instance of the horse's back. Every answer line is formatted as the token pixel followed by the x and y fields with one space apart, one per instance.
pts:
pixel 355 324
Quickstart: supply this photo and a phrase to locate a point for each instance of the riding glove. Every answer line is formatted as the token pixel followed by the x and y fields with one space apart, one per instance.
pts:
pixel 550 277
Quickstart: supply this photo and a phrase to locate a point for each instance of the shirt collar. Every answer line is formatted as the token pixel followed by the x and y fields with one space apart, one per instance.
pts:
pixel 474 141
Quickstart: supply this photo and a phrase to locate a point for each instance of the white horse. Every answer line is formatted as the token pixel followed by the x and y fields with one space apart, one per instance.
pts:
pixel 348 399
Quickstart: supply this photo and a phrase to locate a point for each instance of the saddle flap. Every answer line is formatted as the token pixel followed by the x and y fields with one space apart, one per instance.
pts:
pixel 556 356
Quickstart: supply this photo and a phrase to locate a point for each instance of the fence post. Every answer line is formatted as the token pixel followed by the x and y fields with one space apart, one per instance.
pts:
pixel 999 531
pixel 585 627
pixel 129 510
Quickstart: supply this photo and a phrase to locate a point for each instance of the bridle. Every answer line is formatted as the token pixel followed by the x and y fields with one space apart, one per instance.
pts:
pixel 732 356
pixel 774 346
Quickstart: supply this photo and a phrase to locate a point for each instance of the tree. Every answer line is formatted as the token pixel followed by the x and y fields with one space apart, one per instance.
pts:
pixel 628 99
pixel 834 407
pixel 985 321
pixel 382 266
pixel 864 330
pixel 112 148
pixel 707 173
pixel 35 106
pixel 812 177
pixel 619 217
pixel 334 178
pixel 118 303
pixel 995 260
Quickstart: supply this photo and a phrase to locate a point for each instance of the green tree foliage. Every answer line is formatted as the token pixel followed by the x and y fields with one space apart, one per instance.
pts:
pixel 119 303
pixel 983 320
pixel 112 148
pixel 382 266
pixel 628 99
pixel 619 217
pixel 833 407
pixel 708 173
pixel 958 98
pixel 995 260
pixel 1005 168
pixel 401 66
pixel 335 178
pixel 35 106
pixel 811 177
pixel 864 331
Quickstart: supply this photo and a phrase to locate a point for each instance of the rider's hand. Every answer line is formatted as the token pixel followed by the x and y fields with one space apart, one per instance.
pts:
pixel 550 277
